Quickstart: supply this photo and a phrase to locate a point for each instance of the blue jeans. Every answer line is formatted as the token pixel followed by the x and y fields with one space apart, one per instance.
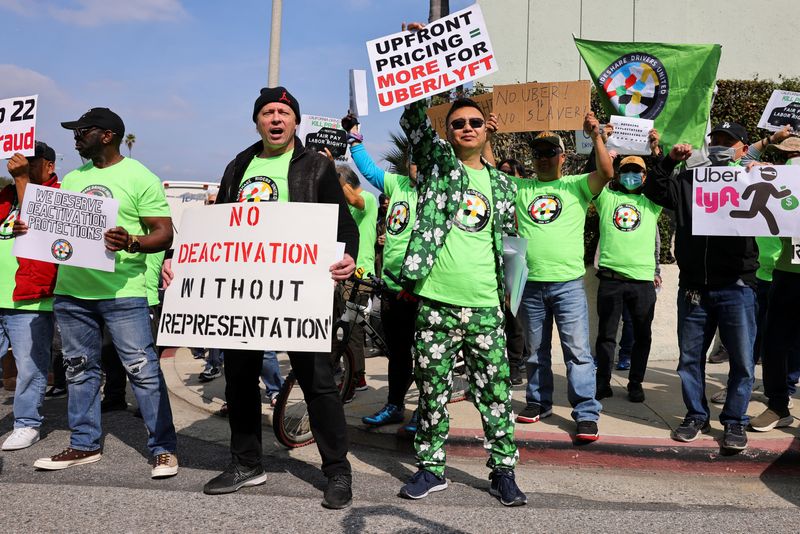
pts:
pixel 271 373
pixel 128 322
pixel 30 335
pixel 215 359
pixel 567 303
pixel 732 309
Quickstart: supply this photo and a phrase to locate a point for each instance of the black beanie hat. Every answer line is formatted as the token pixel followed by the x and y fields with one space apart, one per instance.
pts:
pixel 276 94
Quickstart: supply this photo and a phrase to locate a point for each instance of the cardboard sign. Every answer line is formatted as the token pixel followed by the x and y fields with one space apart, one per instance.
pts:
pixel 783 108
pixel 732 201
pixel 252 276
pixel 310 125
pixel 66 227
pixel 17 126
pixel 630 136
pixel 437 114
pixel 359 103
pixel 796 250
pixel 535 107
pixel 448 52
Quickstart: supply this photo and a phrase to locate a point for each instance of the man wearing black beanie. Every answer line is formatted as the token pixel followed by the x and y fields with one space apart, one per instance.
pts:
pixel 278 168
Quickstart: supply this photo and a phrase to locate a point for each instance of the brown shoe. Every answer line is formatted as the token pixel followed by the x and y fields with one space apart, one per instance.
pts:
pixel 166 465
pixel 67 458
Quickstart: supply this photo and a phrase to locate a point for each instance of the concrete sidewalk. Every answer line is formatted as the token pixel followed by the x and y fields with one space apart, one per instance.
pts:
pixel 631 435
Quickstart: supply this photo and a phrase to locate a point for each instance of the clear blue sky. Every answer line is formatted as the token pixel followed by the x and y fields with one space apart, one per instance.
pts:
pixel 183 74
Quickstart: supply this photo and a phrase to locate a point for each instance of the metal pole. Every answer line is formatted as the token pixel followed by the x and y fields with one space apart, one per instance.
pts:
pixel 275 44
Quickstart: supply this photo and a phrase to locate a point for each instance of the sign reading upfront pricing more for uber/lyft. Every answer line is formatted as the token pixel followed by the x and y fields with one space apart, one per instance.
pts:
pixel 17 126
pixel 448 52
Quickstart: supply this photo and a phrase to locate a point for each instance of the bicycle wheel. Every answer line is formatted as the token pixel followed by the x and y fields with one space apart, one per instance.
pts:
pixel 290 416
pixel 460 389
pixel 344 372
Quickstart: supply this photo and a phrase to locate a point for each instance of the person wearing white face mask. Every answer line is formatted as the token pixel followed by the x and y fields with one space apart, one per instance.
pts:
pixel 628 224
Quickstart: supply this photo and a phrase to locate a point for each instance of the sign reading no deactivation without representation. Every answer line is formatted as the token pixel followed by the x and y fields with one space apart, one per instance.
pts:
pixel 252 276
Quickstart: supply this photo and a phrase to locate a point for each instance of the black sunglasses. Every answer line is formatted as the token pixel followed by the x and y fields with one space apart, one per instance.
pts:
pixel 80 132
pixel 474 123
pixel 546 152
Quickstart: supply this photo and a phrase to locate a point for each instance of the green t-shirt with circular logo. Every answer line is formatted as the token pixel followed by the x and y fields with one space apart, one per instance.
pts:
pixel 8 269
pixel 464 272
pixel 551 216
pixel 140 194
pixel 769 250
pixel 400 220
pixel 265 179
pixel 366 220
pixel 628 226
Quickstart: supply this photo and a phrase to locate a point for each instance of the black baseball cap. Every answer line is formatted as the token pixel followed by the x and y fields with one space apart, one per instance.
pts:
pixel 735 130
pixel 42 150
pixel 99 117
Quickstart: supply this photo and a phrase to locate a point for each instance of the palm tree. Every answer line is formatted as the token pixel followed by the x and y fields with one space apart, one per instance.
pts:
pixel 130 139
pixel 397 156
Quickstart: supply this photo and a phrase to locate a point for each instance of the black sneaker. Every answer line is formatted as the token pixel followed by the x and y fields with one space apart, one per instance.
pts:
pixel 735 437
pixel 516 376
pixel 587 431
pixel 339 492
pixel 112 405
pixel 234 478
pixel 603 391
pixel 635 392
pixel 505 488
pixel 532 413
pixel 690 429
pixel 421 484
pixel 55 392
pixel 210 374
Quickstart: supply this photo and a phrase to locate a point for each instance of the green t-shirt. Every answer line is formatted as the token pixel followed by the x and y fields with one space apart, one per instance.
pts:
pixel 628 226
pixel 769 250
pixel 784 262
pixel 265 179
pixel 366 220
pixel 8 269
pixel 400 219
pixel 551 216
pixel 153 277
pixel 140 194
pixel 465 273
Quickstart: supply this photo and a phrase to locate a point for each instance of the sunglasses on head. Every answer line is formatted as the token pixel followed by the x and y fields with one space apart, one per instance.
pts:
pixel 548 152
pixel 474 123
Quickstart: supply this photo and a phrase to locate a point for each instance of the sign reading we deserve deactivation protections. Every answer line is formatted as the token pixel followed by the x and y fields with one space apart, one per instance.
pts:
pixel 252 276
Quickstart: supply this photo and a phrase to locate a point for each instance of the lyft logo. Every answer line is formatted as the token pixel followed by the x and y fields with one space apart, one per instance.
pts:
pixel 716 199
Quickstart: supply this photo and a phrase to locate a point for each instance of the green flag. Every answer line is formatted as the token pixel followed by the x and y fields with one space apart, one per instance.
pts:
pixel 669 83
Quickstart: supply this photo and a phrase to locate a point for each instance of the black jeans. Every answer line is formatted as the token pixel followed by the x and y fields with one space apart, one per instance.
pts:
pixel 515 340
pixel 314 373
pixel 762 298
pixel 398 317
pixel 782 338
pixel 640 298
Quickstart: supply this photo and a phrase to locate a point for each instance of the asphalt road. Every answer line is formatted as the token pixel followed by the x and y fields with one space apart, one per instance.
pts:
pixel 116 494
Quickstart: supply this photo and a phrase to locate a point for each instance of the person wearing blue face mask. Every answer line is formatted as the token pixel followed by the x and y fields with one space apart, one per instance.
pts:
pixel 627 272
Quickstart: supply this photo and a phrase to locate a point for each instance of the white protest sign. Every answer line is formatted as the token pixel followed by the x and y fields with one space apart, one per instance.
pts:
pixel 796 250
pixel 448 52
pixel 630 135
pixel 731 201
pixel 317 132
pixel 583 142
pixel 783 108
pixel 359 103
pixel 17 126
pixel 66 227
pixel 252 276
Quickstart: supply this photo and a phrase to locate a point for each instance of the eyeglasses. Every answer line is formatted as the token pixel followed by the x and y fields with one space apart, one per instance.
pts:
pixel 549 152
pixel 474 123
pixel 77 133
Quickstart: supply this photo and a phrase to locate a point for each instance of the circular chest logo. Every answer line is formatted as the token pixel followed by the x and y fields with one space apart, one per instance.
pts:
pixel 545 209
pixel 397 220
pixel 61 249
pixel 258 189
pixel 7 225
pixel 636 84
pixel 627 218
pixel 474 212
pixel 98 191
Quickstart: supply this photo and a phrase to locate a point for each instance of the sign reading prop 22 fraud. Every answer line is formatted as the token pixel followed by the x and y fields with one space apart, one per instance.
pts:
pixel 252 276
pixel 732 201
pixel 17 126
pixel 448 52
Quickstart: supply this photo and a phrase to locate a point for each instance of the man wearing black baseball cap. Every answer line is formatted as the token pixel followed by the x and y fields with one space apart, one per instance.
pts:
pixel 88 299
pixel 716 289
pixel 26 299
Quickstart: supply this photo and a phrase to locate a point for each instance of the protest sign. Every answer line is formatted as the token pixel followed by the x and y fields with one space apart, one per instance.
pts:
pixel 252 276
pixel 448 52
pixel 732 201
pixel 783 108
pixel 359 103
pixel 17 126
pixel 583 142
pixel 534 107
pixel 437 114
pixel 796 250
pixel 66 227
pixel 334 138
pixel 630 136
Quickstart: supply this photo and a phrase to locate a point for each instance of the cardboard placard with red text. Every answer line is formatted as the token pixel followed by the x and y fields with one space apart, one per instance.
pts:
pixel 17 126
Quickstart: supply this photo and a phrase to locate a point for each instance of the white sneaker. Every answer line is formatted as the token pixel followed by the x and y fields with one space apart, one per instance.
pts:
pixel 21 438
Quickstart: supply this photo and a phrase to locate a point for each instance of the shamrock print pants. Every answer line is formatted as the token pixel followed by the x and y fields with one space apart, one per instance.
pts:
pixel 442 330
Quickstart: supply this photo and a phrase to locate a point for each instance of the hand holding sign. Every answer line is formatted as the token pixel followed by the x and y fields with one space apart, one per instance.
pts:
pixel 18 166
